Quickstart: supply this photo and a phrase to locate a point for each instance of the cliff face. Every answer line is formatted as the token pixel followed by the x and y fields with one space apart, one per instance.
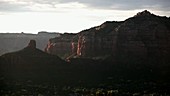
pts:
pixel 142 36
pixel 61 46
pixel 97 41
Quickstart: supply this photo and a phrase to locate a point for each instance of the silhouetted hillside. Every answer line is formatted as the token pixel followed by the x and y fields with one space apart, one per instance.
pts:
pixel 30 62
pixel 33 64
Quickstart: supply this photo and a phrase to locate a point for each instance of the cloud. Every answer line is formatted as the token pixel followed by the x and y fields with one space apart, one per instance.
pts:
pixel 122 4
pixel 47 5
pixel 12 6
pixel 37 6
pixel 127 4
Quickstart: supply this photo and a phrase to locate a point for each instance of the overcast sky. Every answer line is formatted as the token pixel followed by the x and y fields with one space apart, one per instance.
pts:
pixel 31 16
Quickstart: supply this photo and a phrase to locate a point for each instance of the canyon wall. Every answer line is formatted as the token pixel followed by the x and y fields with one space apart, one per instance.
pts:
pixel 142 36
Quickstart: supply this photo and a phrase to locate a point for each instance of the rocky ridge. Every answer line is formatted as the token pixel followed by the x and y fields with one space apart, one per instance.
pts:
pixel 143 35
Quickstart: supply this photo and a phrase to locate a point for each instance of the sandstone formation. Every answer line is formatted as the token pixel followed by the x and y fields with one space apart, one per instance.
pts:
pixel 97 41
pixel 61 46
pixel 142 36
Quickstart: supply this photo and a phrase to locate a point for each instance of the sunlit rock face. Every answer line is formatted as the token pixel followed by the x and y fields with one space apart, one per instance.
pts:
pixel 97 41
pixel 61 46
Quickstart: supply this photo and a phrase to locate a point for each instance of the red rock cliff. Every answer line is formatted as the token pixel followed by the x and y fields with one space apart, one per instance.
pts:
pixel 142 36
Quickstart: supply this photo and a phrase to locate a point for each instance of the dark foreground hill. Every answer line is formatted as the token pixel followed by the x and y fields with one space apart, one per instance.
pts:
pixel 31 71
pixel 31 63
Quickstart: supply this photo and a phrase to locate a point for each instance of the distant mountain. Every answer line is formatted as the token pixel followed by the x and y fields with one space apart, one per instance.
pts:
pixel 16 41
